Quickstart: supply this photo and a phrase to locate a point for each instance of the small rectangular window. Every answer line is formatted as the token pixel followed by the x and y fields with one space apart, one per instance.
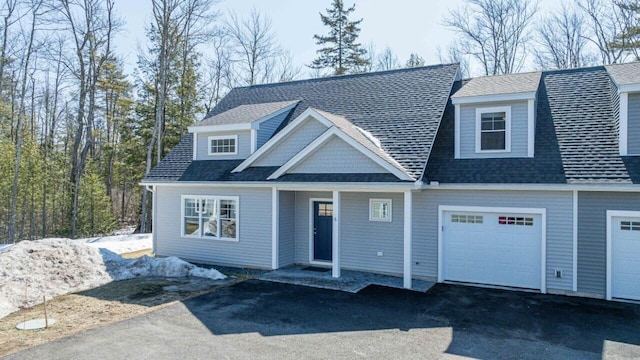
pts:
pixel 325 209
pixel 380 210
pixel 630 225
pixel 223 145
pixel 467 219
pixel 515 220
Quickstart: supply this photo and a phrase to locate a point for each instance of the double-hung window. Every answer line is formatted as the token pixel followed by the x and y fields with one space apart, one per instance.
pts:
pixel 223 145
pixel 493 129
pixel 210 217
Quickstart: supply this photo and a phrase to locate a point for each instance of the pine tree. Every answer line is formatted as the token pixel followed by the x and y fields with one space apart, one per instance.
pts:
pixel 341 51
pixel 629 39
pixel 415 60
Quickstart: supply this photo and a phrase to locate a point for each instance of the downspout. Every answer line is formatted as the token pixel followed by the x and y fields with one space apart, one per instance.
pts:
pixel 152 190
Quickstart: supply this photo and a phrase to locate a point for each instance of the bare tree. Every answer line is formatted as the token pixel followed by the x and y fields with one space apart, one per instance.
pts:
pixel 607 20
pixel 562 42
pixel 218 70
pixel 387 60
pixel 35 13
pixel 494 32
pixel 288 70
pixel 91 24
pixel 455 54
pixel 254 45
pixel 414 60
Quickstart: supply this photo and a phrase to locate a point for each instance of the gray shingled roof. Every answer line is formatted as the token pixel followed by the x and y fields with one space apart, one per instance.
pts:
pixel 576 139
pixel 625 74
pixel 245 114
pixel 401 108
pixel 499 85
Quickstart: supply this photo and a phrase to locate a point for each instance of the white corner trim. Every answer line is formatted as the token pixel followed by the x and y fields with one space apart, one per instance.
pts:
pixel 456 128
pixel 492 98
pixel 371 218
pixel 407 241
pixel 222 137
pixel 536 211
pixel 531 128
pixel 624 123
pixel 320 140
pixel 195 146
pixel 275 217
pixel 309 113
pixel 311 254
pixel 575 240
pixel 335 237
pixel 440 276
pixel 507 128
pixel 610 215
pixel 254 140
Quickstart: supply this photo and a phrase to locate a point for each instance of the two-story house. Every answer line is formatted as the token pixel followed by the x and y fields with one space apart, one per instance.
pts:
pixel 524 180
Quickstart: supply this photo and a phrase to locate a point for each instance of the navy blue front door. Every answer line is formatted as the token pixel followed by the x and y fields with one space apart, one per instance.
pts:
pixel 322 230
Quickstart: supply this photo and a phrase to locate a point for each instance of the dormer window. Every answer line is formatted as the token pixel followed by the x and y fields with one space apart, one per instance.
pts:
pixel 223 145
pixel 493 129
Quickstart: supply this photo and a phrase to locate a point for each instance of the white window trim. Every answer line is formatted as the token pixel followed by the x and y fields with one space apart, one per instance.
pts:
pixel 372 218
pixel 210 197
pixel 610 215
pixel 507 128
pixel 482 209
pixel 222 137
pixel 624 124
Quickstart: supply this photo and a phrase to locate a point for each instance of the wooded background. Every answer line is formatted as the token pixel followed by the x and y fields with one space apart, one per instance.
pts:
pixel 78 133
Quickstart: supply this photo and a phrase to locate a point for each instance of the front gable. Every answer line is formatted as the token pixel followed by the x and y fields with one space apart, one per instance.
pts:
pixel 336 156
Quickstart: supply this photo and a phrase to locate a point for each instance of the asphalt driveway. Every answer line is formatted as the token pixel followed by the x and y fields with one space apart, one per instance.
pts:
pixel 263 320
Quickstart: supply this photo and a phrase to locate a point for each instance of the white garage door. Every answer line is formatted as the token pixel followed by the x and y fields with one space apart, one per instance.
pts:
pixel 492 248
pixel 625 258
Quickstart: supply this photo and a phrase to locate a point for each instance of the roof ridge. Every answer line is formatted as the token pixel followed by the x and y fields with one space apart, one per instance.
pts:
pixel 347 76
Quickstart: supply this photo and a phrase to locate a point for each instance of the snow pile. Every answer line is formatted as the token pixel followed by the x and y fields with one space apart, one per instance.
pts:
pixel 53 267
pixel 121 243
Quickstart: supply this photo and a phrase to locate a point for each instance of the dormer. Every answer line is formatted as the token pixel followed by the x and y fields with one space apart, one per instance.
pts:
pixel 495 116
pixel 239 132
pixel 626 78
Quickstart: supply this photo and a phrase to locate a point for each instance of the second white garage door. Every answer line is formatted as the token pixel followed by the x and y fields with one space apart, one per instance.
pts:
pixel 495 248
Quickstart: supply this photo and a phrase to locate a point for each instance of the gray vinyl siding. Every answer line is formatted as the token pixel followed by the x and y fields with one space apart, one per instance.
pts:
pixel 592 238
pixel 336 156
pixel 633 140
pixel 244 145
pixel 254 216
pixel 286 230
pixel 519 129
pixel 361 239
pixel 559 206
pixel 303 212
pixel 293 142
pixel 268 127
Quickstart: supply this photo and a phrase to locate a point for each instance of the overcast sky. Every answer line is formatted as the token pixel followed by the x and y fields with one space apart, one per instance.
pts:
pixel 404 25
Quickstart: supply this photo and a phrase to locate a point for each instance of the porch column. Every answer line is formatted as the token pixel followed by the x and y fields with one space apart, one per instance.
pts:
pixel 275 218
pixel 335 242
pixel 408 210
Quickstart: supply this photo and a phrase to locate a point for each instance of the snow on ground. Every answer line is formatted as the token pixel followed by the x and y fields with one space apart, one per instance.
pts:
pixel 121 244
pixel 30 270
